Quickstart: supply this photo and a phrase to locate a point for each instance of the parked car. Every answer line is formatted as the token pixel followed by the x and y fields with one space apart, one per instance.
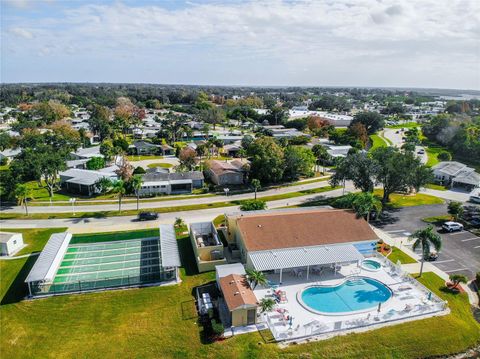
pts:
pixel 432 257
pixel 452 226
pixel 475 222
pixel 147 216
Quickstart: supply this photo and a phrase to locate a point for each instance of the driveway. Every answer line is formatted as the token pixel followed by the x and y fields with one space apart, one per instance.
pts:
pixel 395 136
pixel 461 250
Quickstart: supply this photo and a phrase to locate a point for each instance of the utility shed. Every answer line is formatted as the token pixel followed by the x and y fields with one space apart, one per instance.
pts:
pixel 10 242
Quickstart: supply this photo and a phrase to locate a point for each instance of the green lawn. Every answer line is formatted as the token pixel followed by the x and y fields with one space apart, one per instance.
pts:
pixel 436 187
pixel 160 322
pixel 35 239
pixel 399 255
pixel 133 212
pixel 402 200
pixel 377 141
pixel 133 158
pixel 405 125
pixel 163 165
pixel 40 193
pixel 432 154
pixel 437 219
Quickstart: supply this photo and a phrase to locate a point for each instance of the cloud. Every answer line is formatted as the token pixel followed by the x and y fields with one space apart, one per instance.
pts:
pixel 18 31
pixel 320 36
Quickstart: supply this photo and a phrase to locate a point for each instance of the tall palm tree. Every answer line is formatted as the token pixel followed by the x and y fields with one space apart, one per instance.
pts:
pixel 364 203
pixel 426 238
pixel 137 181
pixel 256 277
pixel 118 187
pixel 23 193
pixel 256 185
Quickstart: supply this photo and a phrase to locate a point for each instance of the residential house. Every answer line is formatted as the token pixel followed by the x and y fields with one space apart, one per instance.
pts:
pixel 159 182
pixel 226 173
pixel 456 174
pixel 86 153
pixel 82 181
pixel 144 148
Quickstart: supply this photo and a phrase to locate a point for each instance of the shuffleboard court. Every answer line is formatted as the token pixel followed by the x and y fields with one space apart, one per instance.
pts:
pixel 109 260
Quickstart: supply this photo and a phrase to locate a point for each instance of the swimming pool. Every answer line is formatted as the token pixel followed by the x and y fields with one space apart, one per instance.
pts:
pixel 371 265
pixel 353 295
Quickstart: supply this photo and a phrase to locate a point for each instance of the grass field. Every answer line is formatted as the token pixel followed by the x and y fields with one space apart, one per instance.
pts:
pixel 133 158
pixel 436 187
pixel 133 212
pixel 399 255
pixel 432 154
pixel 377 141
pixel 41 194
pixel 402 200
pixel 405 125
pixel 160 322
pixel 163 165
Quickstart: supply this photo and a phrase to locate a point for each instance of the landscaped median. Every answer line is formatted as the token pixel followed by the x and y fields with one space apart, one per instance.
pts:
pixel 193 207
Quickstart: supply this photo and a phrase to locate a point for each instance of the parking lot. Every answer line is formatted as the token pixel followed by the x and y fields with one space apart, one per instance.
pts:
pixel 460 253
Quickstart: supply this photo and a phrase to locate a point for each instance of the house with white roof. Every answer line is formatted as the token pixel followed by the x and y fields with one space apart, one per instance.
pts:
pixel 83 181
pixel 456 174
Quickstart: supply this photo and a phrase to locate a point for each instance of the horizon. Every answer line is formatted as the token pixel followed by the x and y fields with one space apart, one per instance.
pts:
pixel 369 44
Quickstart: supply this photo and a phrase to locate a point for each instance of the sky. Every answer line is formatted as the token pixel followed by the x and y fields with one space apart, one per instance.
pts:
pixel 372 43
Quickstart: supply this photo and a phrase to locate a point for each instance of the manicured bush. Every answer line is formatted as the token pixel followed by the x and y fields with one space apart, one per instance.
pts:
pixel 444 156
pixel 139 170
pixel 253 205
pixel 217 328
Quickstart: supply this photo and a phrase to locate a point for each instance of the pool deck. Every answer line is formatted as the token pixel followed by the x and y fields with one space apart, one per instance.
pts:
pixel 409 301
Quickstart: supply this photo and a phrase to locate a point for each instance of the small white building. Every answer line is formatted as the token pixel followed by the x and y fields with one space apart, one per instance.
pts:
pixel 11 243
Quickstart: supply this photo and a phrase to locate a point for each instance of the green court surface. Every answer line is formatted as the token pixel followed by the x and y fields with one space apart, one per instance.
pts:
pixel 108 260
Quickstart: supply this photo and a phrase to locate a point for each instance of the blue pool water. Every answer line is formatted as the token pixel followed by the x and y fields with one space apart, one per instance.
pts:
pixel 352 295
pixel 371 264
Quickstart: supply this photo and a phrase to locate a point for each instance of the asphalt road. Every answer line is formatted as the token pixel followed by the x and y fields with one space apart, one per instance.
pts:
pixel 395 135
pixel 461 250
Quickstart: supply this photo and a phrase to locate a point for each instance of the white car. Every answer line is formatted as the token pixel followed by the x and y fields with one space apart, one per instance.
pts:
pixel 452 226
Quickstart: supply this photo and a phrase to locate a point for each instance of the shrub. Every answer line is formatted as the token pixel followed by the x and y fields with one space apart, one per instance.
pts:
pixel 386 247
pixel 3 161
pixel 444 156
pixel 380 241
pixel 253 205
pixel 217 328
pixel 139 170
pixel 95 163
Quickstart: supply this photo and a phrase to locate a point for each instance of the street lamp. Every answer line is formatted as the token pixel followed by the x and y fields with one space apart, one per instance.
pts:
pixel 226 191
pixel 72 201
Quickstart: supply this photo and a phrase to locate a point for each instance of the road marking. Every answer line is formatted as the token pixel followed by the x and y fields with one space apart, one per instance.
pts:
pixel 445 261
pixel 476 247
pixel 456 270
pixel 456 233
pixel 469 239
pixel 395 231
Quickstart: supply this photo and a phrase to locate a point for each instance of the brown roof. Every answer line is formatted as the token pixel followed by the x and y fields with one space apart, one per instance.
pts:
pixel 275 230
pixel 236 291
pixel 220 167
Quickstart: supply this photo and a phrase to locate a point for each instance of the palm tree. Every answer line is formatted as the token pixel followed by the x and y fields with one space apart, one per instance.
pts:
pixel 119 188
pixel 256 277
pixel 425 238
pixel 137 181
pixel 266 305
pixel 366 202
pixel 23 193
pixel 256 185
pixel 457 279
